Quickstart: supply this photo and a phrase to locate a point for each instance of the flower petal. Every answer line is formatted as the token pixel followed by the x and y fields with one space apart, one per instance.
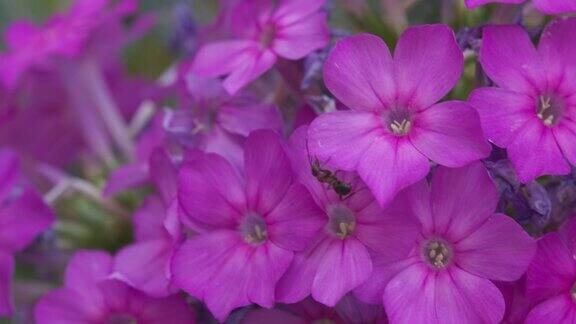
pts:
pixel 207 265
pixel 427 64
pixel 346 264
pixel 242 120
pixel 149 219
pixel 554 7
pixel 462 199
pixel 144 266
pixel 268 263
pixel 254 63
pixel 391 164
pixel 359 72
pixel 289 11
pixel 385 267
pixel 559 309
pixel 510 59
pixel 210 192
pixel 69 306
pixel 268 171
pixel 565 135
pixel 449 133
pixel 499 250
pixel 302 37
pixel 558 51
pixel 409 297
pixel 164 174
pixel 84 271
pixel 502 113
pixel 22 220
pixel 295 220
pixel 465 298
pixel 552 271
pixel 216 59
pixel 534 152
pixel 332 134
pixel 395 226
pixel 296 283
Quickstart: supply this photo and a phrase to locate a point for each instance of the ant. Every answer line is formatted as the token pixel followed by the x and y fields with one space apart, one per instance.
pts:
pixel 326 176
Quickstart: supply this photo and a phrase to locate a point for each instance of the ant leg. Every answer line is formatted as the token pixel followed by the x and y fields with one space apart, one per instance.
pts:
pixel 353 193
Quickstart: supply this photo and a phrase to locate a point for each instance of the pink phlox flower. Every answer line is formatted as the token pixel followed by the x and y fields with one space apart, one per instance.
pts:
pixel 532 109
pixel 340 257
pixel 394 126
pixel 249 225
pixel 263 31
pixel 463 247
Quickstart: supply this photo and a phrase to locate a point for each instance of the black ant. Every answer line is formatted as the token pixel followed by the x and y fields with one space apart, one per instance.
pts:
pixel 326 176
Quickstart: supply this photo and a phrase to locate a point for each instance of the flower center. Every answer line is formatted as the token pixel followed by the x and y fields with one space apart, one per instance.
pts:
pixel 437 253
pixel 342 220
pixel 121 319
pixel 549 109
pixel 253 228
pixel 267 35
pixel 398 121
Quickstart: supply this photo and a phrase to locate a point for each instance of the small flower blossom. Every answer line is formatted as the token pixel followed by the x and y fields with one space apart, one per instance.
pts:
pixel 23 215
pixel 463 246
pixel 551 7
pixel 248 227
pixel 551 278
pixel 263 31
pixel 339 259
pixel 394 127
pixel 90 295
pixel 532 112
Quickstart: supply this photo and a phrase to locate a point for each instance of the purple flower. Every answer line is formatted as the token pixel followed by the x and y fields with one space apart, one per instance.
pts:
pixel 90 295
pixel 551 7
pixel 394 126
pixel 23 215
pixel 532 112
pixel 219 123
pixel 463 246
pixel 263 31
pixel 551 278
pixel 339 258
pixel 249 226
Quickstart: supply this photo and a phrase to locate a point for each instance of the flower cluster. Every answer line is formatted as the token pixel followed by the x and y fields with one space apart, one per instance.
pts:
pixel 283 166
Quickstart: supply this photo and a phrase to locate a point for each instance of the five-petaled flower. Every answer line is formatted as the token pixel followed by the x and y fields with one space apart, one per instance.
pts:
pixel 263 31
pixel 463 245
pixel 249 226
pixel 394 126
pixel 532 112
